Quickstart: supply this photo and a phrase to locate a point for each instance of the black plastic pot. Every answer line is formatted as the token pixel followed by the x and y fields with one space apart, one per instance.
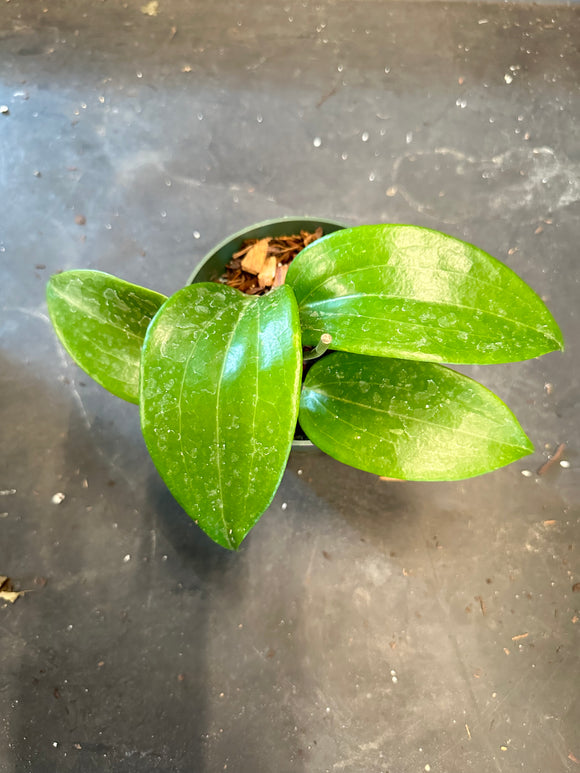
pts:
pixel 213 264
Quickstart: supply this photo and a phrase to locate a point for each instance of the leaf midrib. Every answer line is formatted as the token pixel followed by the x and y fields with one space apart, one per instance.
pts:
pixel 247 306
pixel 418 267
pixel 94 317
pixel 396 388
pixel 253 456
pixel 453 305
pixel 184 456
pixel 410 418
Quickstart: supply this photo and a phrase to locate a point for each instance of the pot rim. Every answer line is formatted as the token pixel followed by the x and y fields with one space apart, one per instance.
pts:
pixel 304 219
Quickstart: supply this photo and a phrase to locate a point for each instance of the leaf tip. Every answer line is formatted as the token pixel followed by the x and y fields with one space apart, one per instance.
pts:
pixel 555 335
pixel 229 540
pixel 527 445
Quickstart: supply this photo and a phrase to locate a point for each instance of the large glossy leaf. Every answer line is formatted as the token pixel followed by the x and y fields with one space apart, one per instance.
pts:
pixel 101 321
pixel 220 385
pixel 409 420
pixel 409 292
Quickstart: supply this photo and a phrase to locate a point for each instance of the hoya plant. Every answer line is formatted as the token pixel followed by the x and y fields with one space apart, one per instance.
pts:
pixel 221 380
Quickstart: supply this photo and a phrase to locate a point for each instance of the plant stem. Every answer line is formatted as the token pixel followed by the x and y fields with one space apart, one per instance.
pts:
pixel 320 348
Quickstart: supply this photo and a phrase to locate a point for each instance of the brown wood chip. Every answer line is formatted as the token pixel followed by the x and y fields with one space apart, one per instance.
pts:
pixel 255 258
pixel 268 273
pixel 280 278
pixel 242 251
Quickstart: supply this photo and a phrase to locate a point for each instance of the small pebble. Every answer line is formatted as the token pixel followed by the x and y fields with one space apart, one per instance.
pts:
pixel 58 498
pixel 317 142
pixel 55 744
pixel 364 136
pixel 527 473
pixel 565 464
pixel 284 505
pixel 127 558
pixel 4 110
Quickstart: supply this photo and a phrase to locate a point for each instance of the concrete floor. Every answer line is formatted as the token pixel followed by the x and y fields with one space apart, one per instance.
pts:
pixel 367 626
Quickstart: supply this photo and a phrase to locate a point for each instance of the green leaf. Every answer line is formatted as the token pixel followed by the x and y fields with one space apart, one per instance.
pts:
pixel 410 292
pixel 102 321
pixel 409 420
pixel 220 385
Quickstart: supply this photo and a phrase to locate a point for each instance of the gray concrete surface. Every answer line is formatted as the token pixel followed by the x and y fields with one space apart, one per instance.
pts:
pixel 364 626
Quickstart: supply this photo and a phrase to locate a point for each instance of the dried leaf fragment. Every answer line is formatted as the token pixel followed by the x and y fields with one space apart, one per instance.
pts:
pixel 6 591
pixel 11 596
pixel 255 258
pixel 150 9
